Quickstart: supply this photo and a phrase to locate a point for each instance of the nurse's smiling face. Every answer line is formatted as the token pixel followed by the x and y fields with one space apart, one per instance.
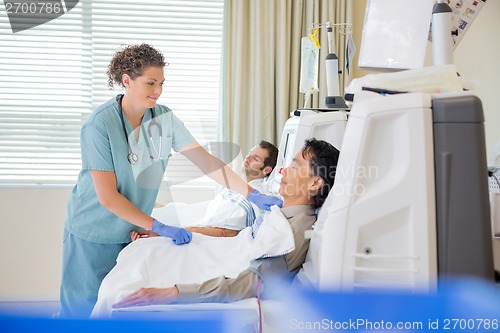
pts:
pixel 146 88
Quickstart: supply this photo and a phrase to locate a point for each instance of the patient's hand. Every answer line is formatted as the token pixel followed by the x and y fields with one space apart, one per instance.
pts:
pixel 147 296
pixel 135 235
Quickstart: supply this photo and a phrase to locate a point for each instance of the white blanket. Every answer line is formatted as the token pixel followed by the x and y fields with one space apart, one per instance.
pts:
pixel 157 262
pixel 228 209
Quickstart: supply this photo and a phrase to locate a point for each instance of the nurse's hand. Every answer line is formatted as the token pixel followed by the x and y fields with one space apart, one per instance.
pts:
pixel 179 235
pixel 135 235
pixel 263 201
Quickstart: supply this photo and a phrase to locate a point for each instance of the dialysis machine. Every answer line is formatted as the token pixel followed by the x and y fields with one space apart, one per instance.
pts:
pixel 410 200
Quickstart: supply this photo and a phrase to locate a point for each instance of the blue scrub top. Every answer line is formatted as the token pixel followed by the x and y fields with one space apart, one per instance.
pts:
pixel 104 148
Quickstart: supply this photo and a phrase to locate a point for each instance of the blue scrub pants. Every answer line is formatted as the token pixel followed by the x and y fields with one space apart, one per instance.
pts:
pixel 84 266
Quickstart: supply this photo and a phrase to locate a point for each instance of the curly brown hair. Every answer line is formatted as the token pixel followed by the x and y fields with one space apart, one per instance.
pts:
pixel 132 60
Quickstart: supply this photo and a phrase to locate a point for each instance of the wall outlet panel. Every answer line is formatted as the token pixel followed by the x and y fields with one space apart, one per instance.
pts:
pixel 494 181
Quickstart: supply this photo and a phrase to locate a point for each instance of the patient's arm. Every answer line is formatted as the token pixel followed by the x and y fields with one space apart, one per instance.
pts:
pixel 147 296
pixel 214 232
pixel 219 289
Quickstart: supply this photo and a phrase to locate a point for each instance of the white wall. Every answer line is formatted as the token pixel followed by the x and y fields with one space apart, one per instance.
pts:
pixel 31 221
pixel 478 58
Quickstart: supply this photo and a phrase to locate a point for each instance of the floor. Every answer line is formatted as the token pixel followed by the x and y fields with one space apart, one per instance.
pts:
pixel 31 309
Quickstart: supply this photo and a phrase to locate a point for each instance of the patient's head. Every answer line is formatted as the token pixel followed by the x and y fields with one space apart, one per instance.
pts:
pixel 310 177
pixel 260 161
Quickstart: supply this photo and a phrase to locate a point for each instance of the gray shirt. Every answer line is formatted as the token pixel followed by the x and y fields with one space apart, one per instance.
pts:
pixel 223 289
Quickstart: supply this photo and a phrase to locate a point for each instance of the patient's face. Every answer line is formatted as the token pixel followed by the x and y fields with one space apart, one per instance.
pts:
pixel 297 178
pixel 254 162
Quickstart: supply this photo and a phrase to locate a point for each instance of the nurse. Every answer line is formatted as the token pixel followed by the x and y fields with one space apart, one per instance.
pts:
pixel 122 169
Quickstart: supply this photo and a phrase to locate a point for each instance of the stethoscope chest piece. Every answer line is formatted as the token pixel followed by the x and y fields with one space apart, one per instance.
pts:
pixel 132 158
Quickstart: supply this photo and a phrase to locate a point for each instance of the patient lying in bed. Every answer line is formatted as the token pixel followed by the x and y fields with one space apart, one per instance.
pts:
pixel 229 211
pixel 149 271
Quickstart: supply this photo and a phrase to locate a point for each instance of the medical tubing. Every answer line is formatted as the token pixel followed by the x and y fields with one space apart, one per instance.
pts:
pixel 496 179
pixel 258 303
pixel 132 157
pixel 130 152
pixel 306 99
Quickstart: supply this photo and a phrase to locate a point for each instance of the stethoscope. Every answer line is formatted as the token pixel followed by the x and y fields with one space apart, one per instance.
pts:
pixel 132 157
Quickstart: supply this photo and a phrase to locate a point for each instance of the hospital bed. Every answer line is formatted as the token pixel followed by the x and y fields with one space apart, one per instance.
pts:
pixel 325 124
pixel 410 200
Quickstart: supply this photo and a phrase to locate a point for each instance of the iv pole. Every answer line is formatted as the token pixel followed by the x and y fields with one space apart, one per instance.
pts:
pixel 333 99
pixel 442 41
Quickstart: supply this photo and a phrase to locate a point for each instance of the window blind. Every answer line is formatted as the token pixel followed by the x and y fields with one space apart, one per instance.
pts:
pixel 54 75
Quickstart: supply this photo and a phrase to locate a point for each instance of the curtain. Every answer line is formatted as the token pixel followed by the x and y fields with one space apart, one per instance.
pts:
pixel 262 63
